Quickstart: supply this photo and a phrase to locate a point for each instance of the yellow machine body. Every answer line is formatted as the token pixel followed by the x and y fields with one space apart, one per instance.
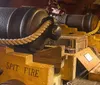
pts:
pixel 20 66
pixel 94 40
pixel 37 69
pixel 93 37
pixel 69 70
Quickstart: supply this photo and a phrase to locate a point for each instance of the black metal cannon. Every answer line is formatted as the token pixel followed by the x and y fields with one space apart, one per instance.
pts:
pixel 87 22
pixel 24 26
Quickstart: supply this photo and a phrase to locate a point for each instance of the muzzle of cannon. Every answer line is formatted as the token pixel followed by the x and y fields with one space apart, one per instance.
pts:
pixel 26 26
pixel 85 23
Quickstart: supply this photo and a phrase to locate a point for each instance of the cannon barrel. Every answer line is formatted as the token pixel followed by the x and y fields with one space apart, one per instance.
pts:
pixel 85 23
pixel 18 23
